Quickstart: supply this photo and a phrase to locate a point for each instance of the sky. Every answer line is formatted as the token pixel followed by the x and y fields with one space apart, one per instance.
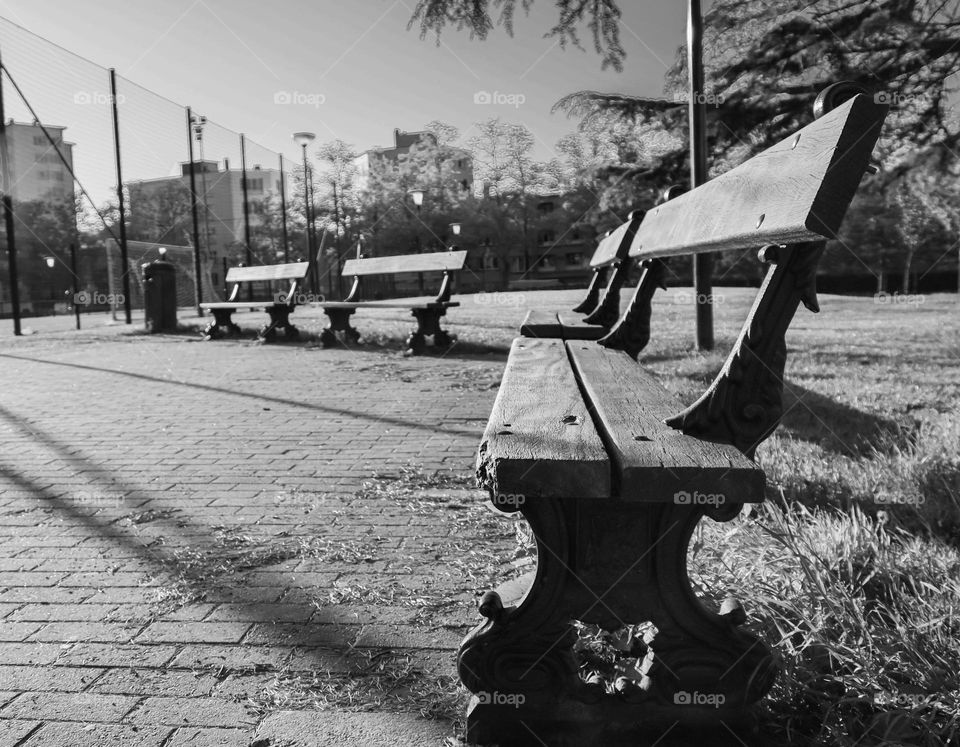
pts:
pixel 347 70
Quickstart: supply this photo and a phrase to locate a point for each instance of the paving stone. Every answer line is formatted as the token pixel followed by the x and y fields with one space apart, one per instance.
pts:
pixel 33 678
pixel 77 734
pixel 69 707
pixel 191 711
pixel 113 655
pixel 189 736
pixel 193 632
pixel 168 682
pixel 335 728
pixel 13 731
pixel 95 632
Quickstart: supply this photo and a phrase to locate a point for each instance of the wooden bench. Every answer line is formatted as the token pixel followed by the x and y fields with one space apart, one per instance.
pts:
pixel 426 312
pixel 613 475
pixel 600 308
pixel 278 305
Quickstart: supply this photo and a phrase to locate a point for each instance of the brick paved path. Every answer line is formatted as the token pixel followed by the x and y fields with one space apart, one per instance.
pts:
pixel 183 521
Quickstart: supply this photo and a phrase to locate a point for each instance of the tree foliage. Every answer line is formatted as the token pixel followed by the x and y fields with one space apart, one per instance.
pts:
pixel 601 17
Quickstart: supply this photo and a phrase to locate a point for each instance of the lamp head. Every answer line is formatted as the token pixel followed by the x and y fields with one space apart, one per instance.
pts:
pixel 51 261
pixel 303 139
pixel 163 252
pixel 417 195
pixel 455 227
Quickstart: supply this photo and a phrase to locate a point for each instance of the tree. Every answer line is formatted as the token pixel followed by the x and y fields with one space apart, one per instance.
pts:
pixel 767 61
pixel 602 18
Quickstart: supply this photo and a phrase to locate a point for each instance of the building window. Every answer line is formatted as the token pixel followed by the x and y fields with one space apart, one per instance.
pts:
pixel 574 259
pixel 39 140
pixel 548 237
pixel 545 207
pixel 255 185
pixel 464 186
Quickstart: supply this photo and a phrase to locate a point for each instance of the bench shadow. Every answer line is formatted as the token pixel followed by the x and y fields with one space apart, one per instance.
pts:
pixel 162 557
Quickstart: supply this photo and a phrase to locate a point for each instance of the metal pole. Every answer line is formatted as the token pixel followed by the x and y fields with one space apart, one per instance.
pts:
pixel 313 235
pixel 8 214
pixel 246 210
pixel 306 209
pixel 76 282
pixel 283 212
pixel 197 290
pixel 123 213
pixel 702 263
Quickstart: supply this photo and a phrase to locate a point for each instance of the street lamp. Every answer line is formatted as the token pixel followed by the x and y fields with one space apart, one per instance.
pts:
pixel 51 261
pixel 303 139
pixel 417 195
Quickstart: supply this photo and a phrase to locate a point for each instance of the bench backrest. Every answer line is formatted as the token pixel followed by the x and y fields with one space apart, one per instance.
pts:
pixel 612 247
pixel 292 271
pixel 794 192
pixel 403 263
pixel 789 199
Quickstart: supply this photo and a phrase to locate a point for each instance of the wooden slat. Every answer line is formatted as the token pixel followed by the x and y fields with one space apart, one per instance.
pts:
pixel 615 246
pixel 292 271
pixel 540 440
pixel 653 461
pixel 796 191
pixel 237 305
pixel 386 305
pixel 432 261
pixel 572 327
pixel 540 323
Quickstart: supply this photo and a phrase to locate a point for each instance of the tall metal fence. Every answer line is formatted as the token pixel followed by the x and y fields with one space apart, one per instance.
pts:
pixel 94 163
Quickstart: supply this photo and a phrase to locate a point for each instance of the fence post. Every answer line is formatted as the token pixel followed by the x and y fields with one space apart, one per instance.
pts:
pixel 283 211
pixel 125 276
pixel 246 209
pixel 8 214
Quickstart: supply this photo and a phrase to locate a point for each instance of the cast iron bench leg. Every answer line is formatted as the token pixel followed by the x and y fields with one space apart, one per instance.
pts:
pixel 222 324
pixel 339 322
pixel 428 325
pixel 609 562
pixel 279 319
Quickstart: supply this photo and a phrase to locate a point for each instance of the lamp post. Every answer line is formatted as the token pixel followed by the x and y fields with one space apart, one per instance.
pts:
pixel 51 262
pixel 303 139
pixel 417 195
